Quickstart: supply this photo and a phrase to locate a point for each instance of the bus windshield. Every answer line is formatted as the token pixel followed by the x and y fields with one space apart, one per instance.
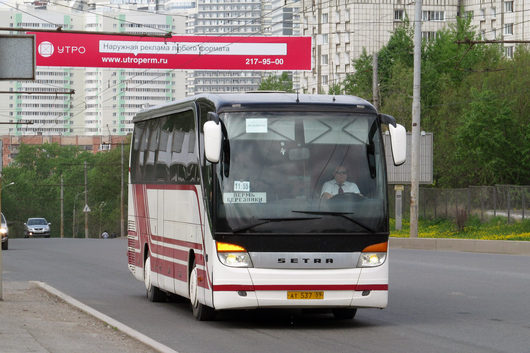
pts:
pixel 301 172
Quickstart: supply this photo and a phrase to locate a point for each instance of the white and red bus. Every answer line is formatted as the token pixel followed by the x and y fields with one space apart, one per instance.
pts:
pixel 226 206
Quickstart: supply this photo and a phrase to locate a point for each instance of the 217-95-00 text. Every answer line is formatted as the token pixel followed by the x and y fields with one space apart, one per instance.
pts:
pixel 264 61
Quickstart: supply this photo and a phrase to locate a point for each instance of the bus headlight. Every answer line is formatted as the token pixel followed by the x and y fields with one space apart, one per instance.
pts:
pixel 371 259
pixel 235 259
pixel 373 255
pixel 3 231
pixel 233 255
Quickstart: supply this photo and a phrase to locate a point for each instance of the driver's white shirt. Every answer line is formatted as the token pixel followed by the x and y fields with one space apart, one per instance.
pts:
pixel 332 187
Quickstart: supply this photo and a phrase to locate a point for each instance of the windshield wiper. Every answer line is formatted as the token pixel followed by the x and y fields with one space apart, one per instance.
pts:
pixel 260 221
pixel 338 214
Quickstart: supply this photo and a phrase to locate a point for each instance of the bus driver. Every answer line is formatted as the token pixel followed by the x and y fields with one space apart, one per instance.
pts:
pixel 339 184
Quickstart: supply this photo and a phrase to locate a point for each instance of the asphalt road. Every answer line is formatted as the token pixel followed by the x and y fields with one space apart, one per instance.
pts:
pixel 439 302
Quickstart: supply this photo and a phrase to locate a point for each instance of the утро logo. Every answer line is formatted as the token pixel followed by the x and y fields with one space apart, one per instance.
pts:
pixel 46 49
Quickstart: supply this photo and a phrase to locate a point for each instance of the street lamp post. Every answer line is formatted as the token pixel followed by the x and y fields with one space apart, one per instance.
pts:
pixel 1 166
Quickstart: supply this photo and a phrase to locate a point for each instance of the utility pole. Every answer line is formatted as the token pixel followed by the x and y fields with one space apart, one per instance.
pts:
pixel 86 204
pixel 122 233
pixel 62 207
pixel 416 128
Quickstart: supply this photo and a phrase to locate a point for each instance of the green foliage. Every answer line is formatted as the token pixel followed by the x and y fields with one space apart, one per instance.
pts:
pixel 36 173
pixel 398 51
pixel 475 101
pixel 486 137
pixel 282 83
pixel 359 83
pixel 496 228
pixel 335 89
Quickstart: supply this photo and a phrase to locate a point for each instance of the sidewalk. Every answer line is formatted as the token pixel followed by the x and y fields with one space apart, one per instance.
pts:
pixel 32 320
pixel 508 247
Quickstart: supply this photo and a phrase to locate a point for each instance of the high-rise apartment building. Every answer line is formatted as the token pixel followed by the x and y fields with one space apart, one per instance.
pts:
pixel 341 29
pixel 114 96
pixel 225 18
pixel 105 100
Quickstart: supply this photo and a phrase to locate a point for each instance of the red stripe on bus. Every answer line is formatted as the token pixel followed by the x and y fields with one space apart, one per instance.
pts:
pixel 133 243
pixel 186 244
pixel 173 270
pixel 362 287
pixel 199 260
pixel 172 253
pixel 179 272
pixel 171 187
pixel 142 219
pixel 334 287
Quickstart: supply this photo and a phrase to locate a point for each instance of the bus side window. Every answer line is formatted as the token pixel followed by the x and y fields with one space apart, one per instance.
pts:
pixel 136 156
pixel 193 162
pixel 142 155
pixel 150 153
pixel 163 154
pixel 183 166
pixel 176 148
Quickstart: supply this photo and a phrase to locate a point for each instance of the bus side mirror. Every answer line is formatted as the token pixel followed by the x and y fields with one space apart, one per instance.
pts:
pixel 212 141
pixel 398 142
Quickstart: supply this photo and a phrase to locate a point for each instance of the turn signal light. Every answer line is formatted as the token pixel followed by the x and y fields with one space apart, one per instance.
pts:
pixel 380 247
pixel 226 247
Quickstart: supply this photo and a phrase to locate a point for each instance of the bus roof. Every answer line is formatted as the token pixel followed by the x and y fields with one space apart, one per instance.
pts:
pixel 243 101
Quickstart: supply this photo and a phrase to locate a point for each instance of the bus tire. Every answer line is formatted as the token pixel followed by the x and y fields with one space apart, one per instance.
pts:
pixel 200 311
pixel 154 294
pixel 344 313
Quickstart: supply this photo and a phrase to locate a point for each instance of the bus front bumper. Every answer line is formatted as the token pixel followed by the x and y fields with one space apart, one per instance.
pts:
pixel 349 288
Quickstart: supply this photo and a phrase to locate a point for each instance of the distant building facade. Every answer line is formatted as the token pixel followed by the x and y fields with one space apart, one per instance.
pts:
pixel 226 18
pixel 105 100
pixel 341 29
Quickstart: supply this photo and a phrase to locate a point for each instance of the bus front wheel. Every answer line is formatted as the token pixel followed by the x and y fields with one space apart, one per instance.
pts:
pixel 154 294
pixel 200 311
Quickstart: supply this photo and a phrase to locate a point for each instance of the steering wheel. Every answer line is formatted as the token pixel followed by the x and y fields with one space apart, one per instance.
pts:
pixel 348 196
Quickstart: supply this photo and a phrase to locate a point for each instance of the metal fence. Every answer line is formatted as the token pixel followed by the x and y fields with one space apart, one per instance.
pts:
pixel 510 201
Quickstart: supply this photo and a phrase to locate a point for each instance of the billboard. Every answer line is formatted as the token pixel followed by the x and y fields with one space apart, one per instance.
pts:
pixel 17 57
pixel 177 52
pixel 401 175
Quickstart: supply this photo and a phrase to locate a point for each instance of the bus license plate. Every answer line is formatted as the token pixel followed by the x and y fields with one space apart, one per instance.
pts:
pixel 305 295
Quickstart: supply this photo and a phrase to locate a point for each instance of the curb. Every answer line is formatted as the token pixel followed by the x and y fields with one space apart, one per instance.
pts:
pixel 106 319
pixel 465 245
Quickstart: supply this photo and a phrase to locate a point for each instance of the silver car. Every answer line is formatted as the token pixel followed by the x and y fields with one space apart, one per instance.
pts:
pixel 4 233
pixel 37 227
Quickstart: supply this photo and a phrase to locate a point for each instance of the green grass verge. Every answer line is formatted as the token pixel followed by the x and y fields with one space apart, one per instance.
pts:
pixel 496 228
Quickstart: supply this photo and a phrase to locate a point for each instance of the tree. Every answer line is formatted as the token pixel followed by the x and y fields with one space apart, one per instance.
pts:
pixel 488 141
pixel 36 173
pixel 335 89
pixel 282 83
pixel 359 83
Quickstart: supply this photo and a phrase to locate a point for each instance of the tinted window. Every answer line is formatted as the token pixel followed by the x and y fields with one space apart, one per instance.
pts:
pixel 164 150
